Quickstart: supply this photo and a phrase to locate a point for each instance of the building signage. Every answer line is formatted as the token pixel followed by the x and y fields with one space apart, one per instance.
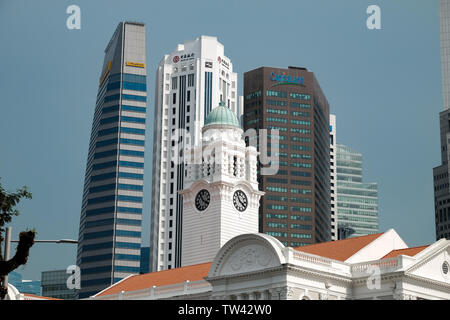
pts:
pixel 208 64
pixel 135 64
pixel 223 62
pixel 284 79
pixel 183 57
pixel 105 73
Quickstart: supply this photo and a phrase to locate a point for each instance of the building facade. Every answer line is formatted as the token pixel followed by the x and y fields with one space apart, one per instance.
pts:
pixel 24 286
pixel 441 173
pixel 441 181
pixel 357 202
pixel 445 51
pixel 221 196
pixel 190 82
pixel 259 267
pixel 111 212
pixel 333 178
pixel 145 260
pixel 296 207
pixel 54 285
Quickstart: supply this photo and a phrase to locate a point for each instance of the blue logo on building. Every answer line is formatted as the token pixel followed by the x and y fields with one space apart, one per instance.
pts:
pixel 284 79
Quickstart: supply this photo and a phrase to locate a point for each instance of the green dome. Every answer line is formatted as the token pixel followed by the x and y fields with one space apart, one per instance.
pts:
pixel 222 115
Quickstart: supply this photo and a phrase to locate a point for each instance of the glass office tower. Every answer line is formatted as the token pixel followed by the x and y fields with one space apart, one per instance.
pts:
pixel 441 173
pixel 54 285
pixel 297 204
pixel 111 213
pixel 357 202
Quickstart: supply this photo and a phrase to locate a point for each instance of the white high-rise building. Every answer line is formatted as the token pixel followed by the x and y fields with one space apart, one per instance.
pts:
pixel 190 82
pixel 333 182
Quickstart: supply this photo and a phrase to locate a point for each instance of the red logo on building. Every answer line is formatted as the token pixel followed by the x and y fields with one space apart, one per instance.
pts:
pixel 219 59
pixel 176 59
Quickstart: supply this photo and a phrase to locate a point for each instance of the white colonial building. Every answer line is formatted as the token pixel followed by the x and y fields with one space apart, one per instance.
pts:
pixel 225 258
pixel 14 294
pixel 258 266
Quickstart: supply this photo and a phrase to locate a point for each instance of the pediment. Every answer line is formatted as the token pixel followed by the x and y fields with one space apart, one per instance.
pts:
pixel 431 266
pixel 247 253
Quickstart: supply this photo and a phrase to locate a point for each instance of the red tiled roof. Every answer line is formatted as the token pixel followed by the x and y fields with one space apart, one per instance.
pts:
pixel 407 252
pixel 39 297
pixel 339 250
pixel 160 278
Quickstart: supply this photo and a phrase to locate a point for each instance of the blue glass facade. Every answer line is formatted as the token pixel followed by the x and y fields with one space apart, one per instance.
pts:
pixel 145 260
pixel 357 202
pixel 111 213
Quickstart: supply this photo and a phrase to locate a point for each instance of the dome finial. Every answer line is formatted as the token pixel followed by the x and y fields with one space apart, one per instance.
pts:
pixel 222 115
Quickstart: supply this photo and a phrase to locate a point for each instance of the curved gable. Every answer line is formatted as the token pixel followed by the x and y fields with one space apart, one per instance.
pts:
pixel 247 253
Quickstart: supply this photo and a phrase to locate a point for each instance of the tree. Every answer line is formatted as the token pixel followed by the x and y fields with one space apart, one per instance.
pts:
pixel 8 203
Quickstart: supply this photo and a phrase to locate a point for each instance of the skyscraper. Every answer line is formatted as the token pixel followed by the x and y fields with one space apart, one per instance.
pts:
pixel 145 260
pixel 54 285
pixel 445 51
pixel 357 202
pixel 441 173
pixel 333 178
pixel 190 82
pixel 296 206
pixel 111 212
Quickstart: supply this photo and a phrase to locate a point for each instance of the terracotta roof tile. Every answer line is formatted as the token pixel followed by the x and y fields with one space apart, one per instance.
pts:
pixel 160 278
pixel 407 252
pixel 339 250
pixel 39 297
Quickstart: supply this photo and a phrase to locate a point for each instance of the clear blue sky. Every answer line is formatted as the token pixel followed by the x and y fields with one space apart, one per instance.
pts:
pixel 383 85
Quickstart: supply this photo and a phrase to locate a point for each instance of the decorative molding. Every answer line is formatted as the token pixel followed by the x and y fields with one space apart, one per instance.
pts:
pixel 237 241
pixel 344 281
pixel 432 255
pixel 249 258
pixel 428 281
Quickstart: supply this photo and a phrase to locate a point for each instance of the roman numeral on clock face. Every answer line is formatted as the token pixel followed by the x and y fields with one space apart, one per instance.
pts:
pixel 240 200
pixel 202 200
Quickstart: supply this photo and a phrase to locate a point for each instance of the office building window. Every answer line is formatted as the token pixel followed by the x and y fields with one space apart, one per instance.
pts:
pixel 191 80
pixel 174 83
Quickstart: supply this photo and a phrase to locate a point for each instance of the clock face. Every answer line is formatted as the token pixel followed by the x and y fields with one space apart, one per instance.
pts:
pixel 202 200
pixel 240 200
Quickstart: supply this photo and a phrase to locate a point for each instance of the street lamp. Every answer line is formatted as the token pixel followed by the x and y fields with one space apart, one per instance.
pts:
pixel 8 248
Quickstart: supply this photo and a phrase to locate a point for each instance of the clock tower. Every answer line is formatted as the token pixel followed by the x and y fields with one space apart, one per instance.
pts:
pixel 221 196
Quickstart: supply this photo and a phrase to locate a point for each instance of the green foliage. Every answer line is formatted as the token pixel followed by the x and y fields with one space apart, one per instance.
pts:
pixel 8 202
